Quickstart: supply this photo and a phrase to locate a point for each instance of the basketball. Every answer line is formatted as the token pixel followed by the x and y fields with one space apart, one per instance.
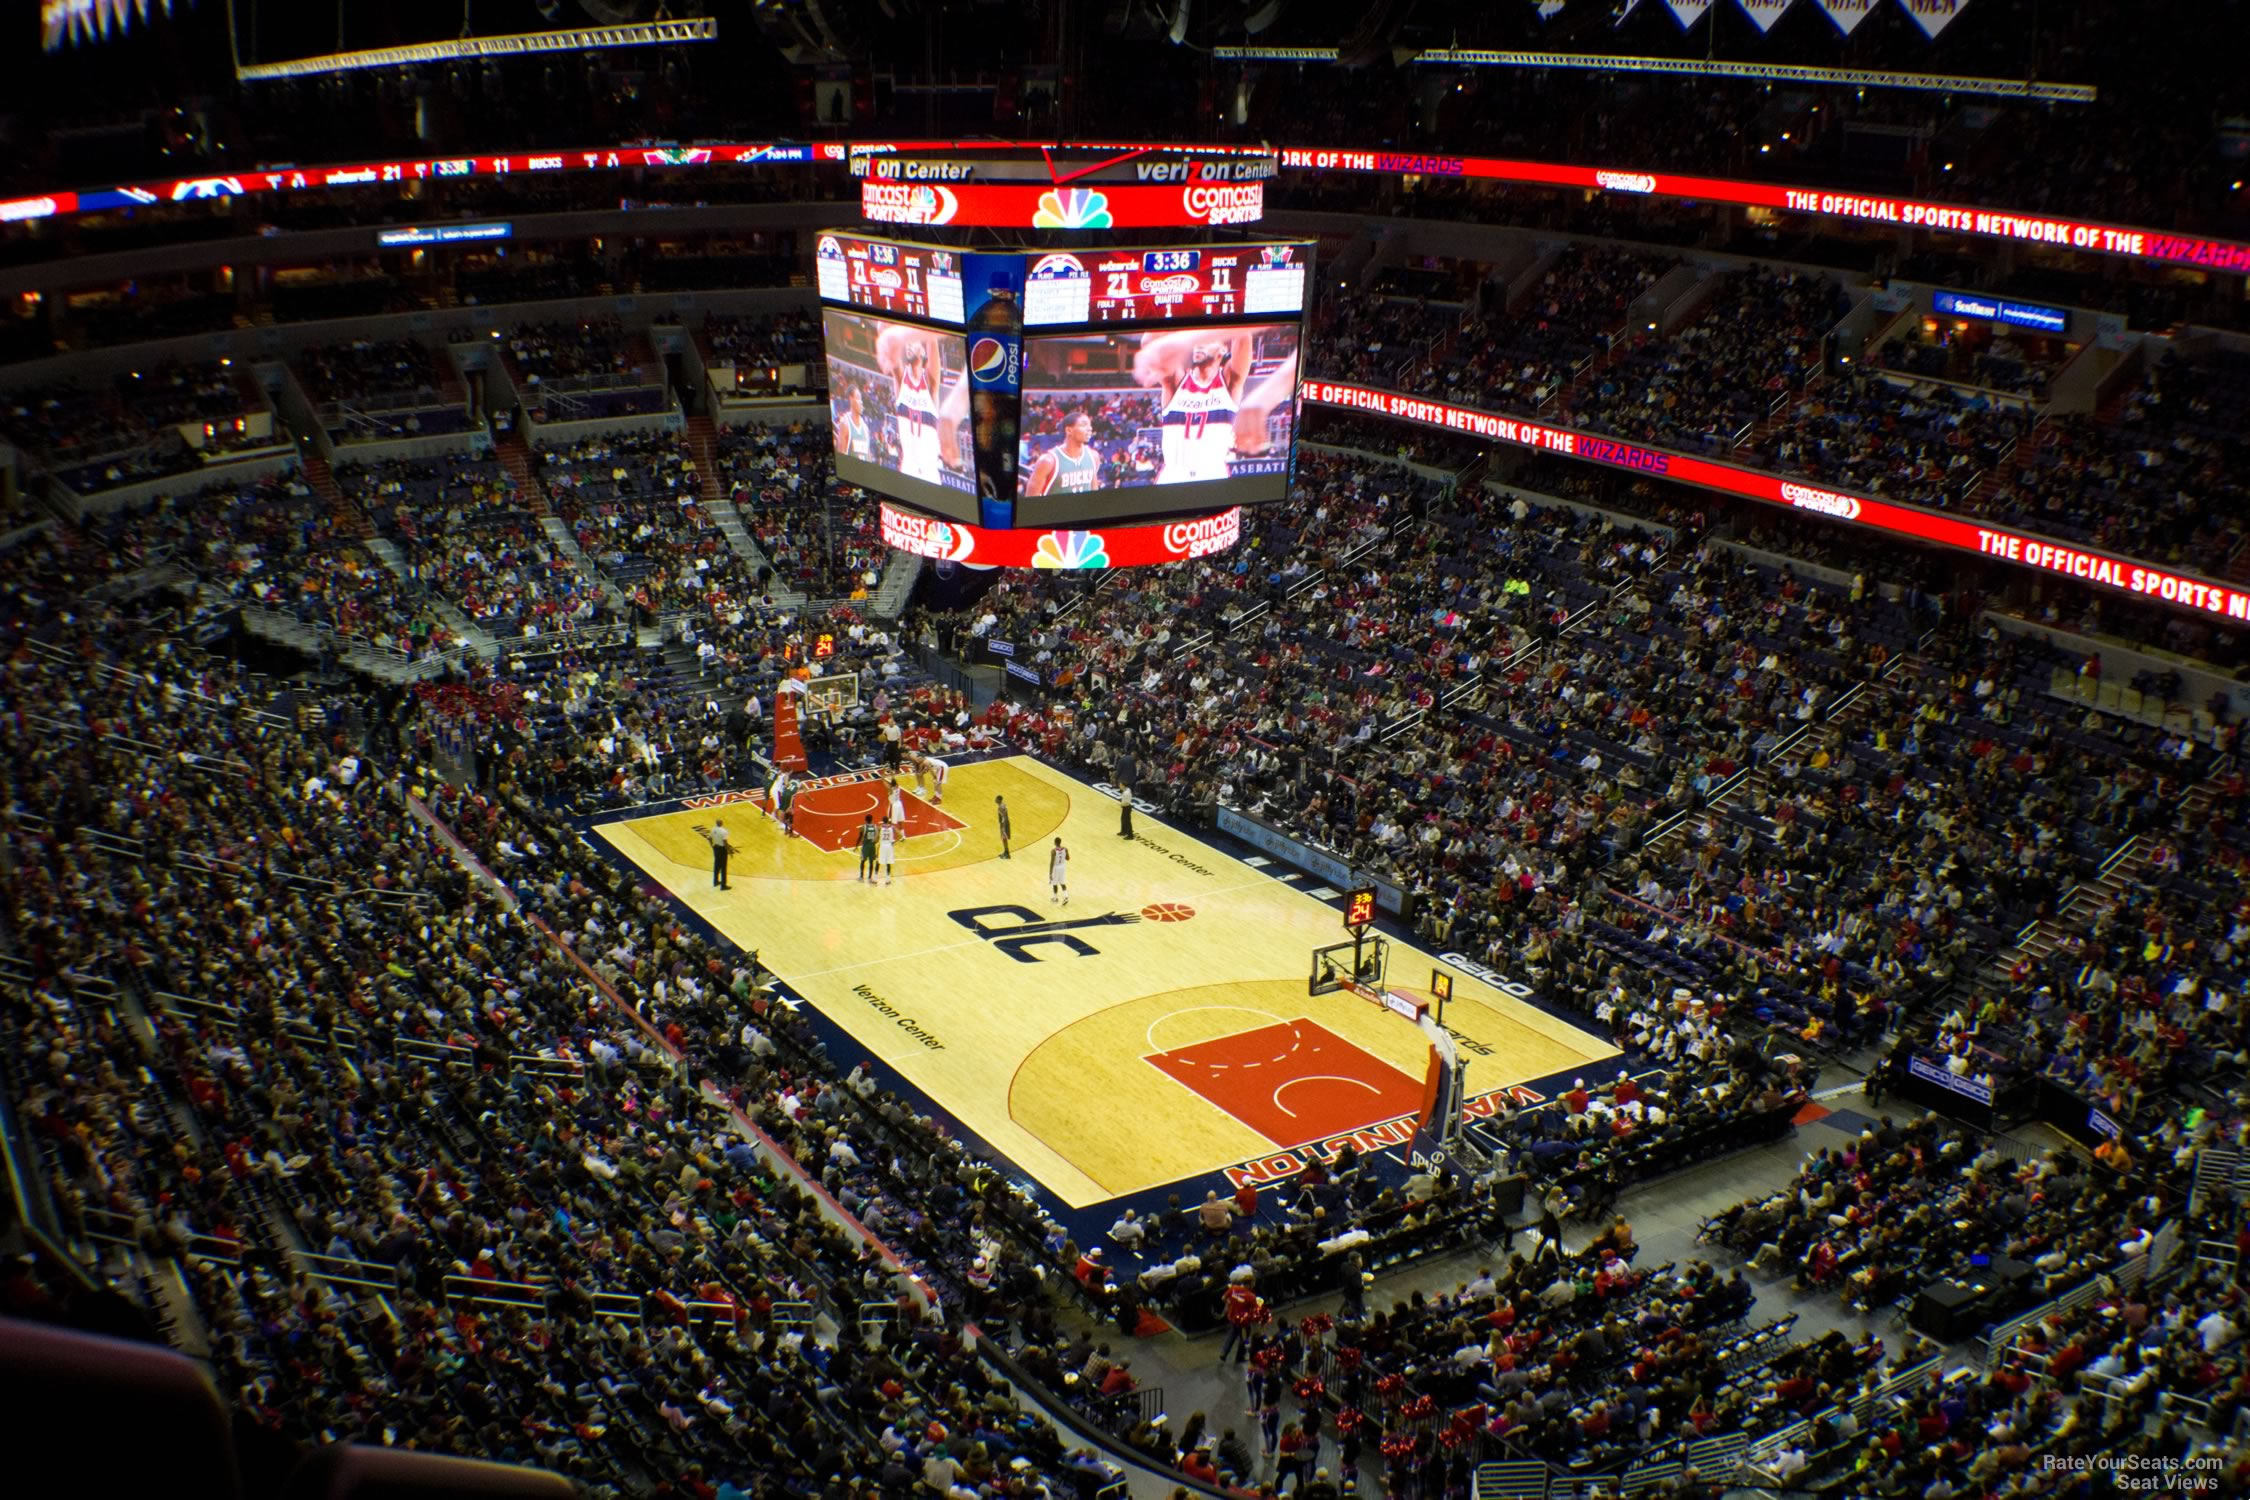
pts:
pixel 1166 911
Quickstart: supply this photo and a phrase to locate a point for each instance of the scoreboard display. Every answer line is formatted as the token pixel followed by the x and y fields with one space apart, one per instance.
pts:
pixel 1190 283
pixel 1009 387
pixel 891 276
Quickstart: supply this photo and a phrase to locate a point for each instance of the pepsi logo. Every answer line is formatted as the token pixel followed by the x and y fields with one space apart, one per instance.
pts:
pixel 991 361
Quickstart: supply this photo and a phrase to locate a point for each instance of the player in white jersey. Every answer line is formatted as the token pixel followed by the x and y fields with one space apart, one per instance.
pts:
pixel 928 440
pixel 1201 374
pixel 1217 418
pixel 855 435
pixel 1058 874
pixel 898 804
pixel 886 849
pixel 1073 465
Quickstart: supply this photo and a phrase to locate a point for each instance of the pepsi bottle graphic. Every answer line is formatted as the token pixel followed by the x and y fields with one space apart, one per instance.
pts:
pixel 995 357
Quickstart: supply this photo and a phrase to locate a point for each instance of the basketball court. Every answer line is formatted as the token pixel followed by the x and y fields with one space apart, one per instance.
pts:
pixel 1157 1028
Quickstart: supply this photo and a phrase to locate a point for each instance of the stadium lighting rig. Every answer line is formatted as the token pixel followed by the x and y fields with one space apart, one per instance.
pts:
pixel 480 48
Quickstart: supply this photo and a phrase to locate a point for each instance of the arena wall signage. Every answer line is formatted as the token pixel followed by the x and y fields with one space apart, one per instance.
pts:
pixel 1034 205
pixel 2025 549
pixel 1110 547
pixel 2030 315
pixel 2149 245
pixel 1337 872
pixel 1170 204
pixel 1944 1078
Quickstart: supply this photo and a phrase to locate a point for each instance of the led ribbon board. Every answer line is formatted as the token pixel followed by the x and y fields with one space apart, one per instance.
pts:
pixel 1108 547
pixel 2200 596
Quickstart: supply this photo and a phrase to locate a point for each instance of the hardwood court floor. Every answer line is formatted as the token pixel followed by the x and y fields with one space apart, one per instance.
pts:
pixel 1154 1029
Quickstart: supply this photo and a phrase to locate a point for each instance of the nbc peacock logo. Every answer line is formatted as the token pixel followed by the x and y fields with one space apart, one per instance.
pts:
pixel 1070 549
pixel 1072 208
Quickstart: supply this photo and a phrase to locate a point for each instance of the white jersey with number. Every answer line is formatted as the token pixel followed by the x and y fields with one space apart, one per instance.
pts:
pixel 1198 430
pixel 1058 863
pixel 917 429
pixel 898 805
pixel 886 843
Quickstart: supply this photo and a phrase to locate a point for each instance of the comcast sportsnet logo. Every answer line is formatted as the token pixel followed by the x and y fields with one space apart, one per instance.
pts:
pixel 1209 203
pixel 1204 535
pixel 1825 502
pixel 926 537
pixel 907 202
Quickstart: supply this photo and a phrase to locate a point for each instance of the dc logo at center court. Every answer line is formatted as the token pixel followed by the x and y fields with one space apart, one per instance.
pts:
pixel 1024 929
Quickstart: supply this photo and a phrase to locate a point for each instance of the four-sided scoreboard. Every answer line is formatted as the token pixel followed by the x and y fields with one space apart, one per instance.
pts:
pixel 1063 400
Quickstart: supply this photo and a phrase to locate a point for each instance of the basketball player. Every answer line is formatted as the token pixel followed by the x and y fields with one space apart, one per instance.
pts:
pixel 789 790
pixel 922 776
pixel 1201 375
pixel 1000 815
pixel 867 844
pixel 1073 465
pixel 898 803
pixel 928 421
pixel 854 434
pixel 886 848
pixel 1058 873
pixel 939 770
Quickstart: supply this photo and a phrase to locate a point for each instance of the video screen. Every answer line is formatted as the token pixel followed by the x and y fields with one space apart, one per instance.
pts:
pixel 898 405
pixel 1206 415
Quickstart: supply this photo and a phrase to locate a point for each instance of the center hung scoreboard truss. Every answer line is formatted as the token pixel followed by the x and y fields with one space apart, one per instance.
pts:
pixel 1078 360
pixel 1359 966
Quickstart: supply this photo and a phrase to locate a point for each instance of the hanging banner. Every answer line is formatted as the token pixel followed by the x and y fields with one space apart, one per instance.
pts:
pixel 1933 16
pixel 1764 12
pixel 1687 12
pixel 1847 14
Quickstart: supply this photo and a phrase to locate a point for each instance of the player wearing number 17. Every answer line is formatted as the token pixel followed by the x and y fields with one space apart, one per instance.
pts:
pixel 1208 416
pixel 927 408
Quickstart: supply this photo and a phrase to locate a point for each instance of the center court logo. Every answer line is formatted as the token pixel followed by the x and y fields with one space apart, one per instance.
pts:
pixel 1016 930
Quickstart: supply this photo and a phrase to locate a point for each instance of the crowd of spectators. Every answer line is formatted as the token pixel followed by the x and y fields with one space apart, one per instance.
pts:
pixel 581 1263
pixel 1576 682
pixel 1521 358
pixel 377 372
pixel 1755 344
pixel 465 533
pixel 268 545
pixel 2002 364
pixel 774 339
pixel 819 533
pixel 1899 1207
pixel 129 430
pixel 635 503
pixel 546 352
pixel 2159 478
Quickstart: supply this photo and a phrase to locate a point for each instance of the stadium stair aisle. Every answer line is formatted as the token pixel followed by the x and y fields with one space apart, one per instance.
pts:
pixel 514 454
pixel 350 519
